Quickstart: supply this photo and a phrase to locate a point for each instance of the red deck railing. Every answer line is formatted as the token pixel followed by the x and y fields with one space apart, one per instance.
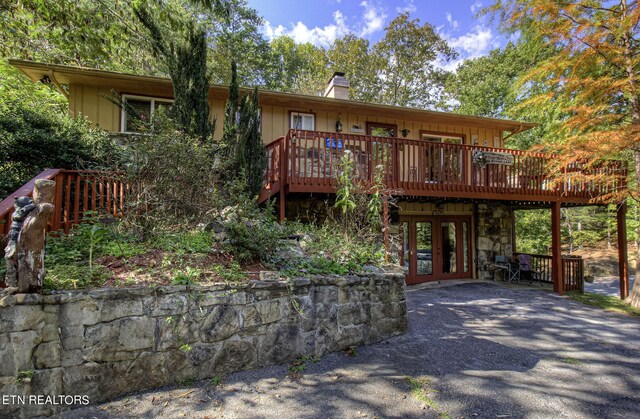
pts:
pixel 572 270
pixel 307 161
pixel 77 191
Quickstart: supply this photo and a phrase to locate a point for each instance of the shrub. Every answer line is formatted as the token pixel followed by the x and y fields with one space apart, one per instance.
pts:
pixel 37 132
pixel 171 177
pixel 251 234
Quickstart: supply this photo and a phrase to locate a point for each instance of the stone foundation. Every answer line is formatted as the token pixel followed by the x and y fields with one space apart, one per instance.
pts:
pixel 108 342
pixel 494 235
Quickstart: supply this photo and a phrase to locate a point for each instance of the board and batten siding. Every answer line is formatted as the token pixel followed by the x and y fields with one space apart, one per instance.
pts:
pixel 93 103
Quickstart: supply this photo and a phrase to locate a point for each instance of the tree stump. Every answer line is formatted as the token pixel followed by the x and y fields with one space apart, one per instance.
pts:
pixel 25 246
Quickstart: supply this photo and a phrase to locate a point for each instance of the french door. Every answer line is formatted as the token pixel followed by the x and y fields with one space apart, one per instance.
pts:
pixel 436 248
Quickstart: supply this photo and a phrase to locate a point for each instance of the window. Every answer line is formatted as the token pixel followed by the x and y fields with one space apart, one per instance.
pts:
pixel 304 121
pixel 140 109
pixel 443 163
pixel 381 130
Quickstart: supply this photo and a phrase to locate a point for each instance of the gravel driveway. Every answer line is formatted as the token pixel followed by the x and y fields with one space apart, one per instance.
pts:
pixel 473 350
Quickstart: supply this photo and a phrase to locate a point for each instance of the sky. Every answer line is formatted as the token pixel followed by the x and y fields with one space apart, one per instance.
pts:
pixel 322 21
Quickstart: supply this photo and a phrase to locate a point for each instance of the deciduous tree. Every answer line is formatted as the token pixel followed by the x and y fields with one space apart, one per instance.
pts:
pixel 410 51
pixel 594 76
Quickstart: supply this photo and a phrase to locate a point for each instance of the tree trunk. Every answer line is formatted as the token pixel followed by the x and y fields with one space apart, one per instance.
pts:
pixel 25 257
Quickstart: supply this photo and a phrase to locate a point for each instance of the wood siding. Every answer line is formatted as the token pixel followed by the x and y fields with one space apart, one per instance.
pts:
pixel 92 102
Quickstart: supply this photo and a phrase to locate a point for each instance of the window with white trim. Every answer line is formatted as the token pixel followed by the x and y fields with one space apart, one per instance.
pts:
pixel 304 121
pixel 140 109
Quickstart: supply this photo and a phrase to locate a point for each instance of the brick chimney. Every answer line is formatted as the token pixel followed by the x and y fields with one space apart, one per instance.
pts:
pixel 338 87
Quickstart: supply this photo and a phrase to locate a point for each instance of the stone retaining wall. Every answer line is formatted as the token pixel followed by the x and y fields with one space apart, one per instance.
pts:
pixel 108 342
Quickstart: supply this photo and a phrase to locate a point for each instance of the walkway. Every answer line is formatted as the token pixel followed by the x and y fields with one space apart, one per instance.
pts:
pixel 473 350
pixel 609 285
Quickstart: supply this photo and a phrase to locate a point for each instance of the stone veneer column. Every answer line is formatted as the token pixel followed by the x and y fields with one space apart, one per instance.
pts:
pixel 494 235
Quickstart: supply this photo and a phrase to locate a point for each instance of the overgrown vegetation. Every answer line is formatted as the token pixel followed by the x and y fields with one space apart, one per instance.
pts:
pixel 36 132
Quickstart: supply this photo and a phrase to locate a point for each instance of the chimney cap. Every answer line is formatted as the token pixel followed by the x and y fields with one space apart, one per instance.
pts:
pixel 336 74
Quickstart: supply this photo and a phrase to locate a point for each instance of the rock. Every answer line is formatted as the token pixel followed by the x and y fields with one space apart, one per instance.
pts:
pixel 235 356
pixel 229 214
pixel 270 276
pixel 221 323
pixel 47 355
pixel 371 268
pixel 290 249
pixel 269 311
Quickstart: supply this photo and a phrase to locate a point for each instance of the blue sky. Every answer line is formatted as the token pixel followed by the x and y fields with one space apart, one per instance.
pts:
pixel 322 21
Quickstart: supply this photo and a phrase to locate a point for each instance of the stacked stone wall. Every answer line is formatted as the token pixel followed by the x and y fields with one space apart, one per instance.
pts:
pixel 494 236
pixel 104 343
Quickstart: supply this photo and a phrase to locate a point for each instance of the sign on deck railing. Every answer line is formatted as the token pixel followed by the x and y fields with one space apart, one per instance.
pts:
pixel 483 158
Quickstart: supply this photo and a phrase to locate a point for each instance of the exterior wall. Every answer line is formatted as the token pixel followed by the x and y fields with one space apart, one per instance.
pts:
pixel 494 235
pixel 109 342
pixel 428 208
pixel 91 102
pixel 276 123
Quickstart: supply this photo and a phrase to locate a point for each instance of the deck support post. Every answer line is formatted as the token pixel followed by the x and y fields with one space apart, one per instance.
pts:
pixel 623 262
pixel 556 250
pixel 283 178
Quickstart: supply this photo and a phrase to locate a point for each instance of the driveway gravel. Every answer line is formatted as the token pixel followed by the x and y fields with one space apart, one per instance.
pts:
pixel 608 285
pixel 473 350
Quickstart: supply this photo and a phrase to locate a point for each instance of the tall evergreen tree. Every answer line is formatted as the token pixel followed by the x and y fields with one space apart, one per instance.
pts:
pixel 184 54
pixel 245 156
pixel 254 152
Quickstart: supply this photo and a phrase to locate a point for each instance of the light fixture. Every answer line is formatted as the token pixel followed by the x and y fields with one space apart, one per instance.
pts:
pixel 405 132
pixel 338 124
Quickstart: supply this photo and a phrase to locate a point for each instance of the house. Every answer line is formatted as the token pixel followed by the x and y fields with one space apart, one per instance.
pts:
pixel 456 185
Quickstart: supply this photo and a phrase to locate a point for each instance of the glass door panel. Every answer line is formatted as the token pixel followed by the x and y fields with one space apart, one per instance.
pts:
pixel 406 250
pixel 449 247
pixel 424 248
pixel 465 246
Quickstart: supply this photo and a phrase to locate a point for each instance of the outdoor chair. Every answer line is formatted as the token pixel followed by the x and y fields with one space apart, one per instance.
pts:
pixel 499 264
pixel 513 272
pixel 525 269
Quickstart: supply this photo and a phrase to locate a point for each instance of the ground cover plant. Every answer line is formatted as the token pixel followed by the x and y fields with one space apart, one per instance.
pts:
pixel 605 302
pixel 98 254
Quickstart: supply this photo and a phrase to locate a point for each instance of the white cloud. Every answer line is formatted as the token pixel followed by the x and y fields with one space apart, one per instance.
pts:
pixel 476 6
pixel 301 33
pixel 476 43
pixel 453 23
pixel 408 7
pixel 373 17
pixel 372 20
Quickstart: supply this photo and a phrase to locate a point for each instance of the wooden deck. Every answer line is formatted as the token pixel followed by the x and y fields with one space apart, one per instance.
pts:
pixel 77 191
pixel 307 161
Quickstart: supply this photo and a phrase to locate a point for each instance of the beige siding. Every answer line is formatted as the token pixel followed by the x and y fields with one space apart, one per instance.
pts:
pixel 276 123
pixel 93 103
pixel 417 208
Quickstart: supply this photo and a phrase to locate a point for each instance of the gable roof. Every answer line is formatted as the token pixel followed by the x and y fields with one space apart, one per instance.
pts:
pixel 162 87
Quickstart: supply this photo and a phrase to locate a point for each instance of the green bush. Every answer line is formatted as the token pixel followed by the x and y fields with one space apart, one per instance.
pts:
pixel 32 139
pixel 195 241
pixel 252 235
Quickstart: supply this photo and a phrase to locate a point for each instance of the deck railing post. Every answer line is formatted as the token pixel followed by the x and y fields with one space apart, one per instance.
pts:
pixel 283 175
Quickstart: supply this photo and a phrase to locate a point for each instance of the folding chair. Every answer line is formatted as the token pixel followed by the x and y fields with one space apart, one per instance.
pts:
pixel 499 264
pixel 513 273
pixel 525 269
